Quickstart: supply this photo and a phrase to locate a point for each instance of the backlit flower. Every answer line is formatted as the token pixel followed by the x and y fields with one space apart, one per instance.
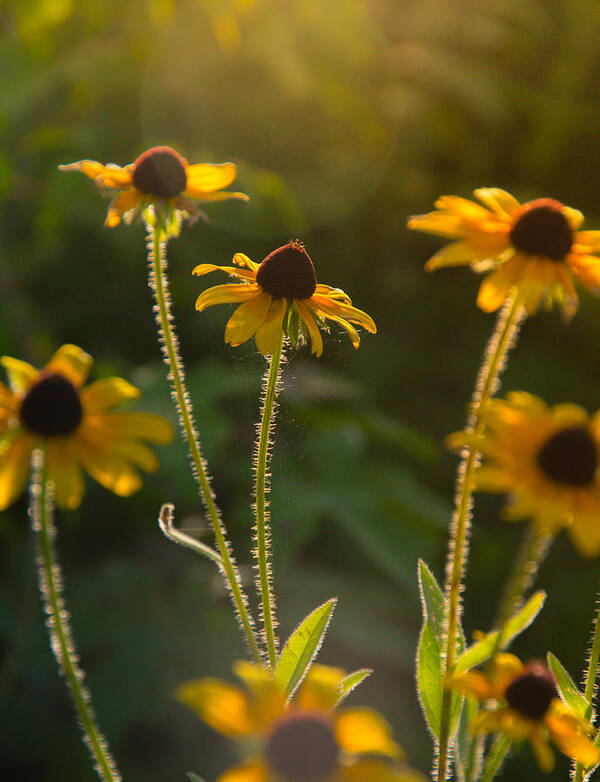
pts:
pixel 160 177
pixel 76 426
pixel 281 293
pixel 522 702
pixel 534 248
pixel 547 459
pixel 306 740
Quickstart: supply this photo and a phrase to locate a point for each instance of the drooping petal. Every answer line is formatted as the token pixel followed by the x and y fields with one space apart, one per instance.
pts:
pixel 14 467
pixel 249 772
pixel 332 293
pixel 109 427
pixel 106 393
pixel 542 751
pixel 247 319
pixel 266 702
pixel 206 268
pixel 128 199
pixel 454 254
pixel 242 260
pixel 496 287
pixel 499 201
pixel 110 176
pixel 220 704
pixel 565 732
pixel 208 177
pixel 327 306
pixel 437 223
pixel 268 335
pixel 226 294
pixel 65 472
pixel 316 341
pixel 21 375
pixel 352 332
pixel 220 195
pixel 363 730
pixel 320 689
pixel 71 362
pixel 587 269
pixel 110 470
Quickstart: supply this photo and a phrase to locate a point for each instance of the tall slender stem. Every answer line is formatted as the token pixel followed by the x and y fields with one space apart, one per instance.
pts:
pixel 497 349
pixel 533 550
pixel 590 686
pixel 61 638
pixel 263 533
pixel 157 279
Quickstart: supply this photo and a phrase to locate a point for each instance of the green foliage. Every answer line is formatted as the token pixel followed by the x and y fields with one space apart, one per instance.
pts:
pixel 302 647
pixel 351 682
pixel 567 688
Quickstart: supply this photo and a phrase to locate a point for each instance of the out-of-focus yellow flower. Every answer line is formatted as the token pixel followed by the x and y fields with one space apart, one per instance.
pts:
pixel 283 286
pixel 534 248
pixel 547 459
pixel 524 704
pixel 306 740
pixel 76 427
pixel 160 177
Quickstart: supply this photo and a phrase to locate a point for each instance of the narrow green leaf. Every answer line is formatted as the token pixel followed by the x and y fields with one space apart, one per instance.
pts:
pixel 566 686
pixel 351 682
pixel 432 599
pixel 302 647
pixel 429 676
pixel 468 745
pixel 499 750
pixel 194 777
pixel 483 649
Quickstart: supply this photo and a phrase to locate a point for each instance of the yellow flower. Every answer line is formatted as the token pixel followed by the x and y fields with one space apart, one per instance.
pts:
pixel 534 248
pixel 547 459
pixel 75 426
pixel 302 741
pixel 159 177
pixel 284 283
pixel 523 703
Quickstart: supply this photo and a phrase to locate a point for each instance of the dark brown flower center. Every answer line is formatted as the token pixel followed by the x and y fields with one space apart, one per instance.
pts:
pixel 569 456
pixel 532 691
pixel 288 273
pixel 51 407
pixel 543 229
pixel 160 171
pixel 302 748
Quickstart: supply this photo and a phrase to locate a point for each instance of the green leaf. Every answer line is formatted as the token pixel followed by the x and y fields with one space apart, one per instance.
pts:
pixel 194 777
pixel 429 676
pixel 483 649
pixel 466 755
pixel 351 682
pixel 569 691
pixel 432 599
pixel 302 647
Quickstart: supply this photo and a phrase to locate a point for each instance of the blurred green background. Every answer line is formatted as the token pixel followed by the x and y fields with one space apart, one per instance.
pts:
pixel 344 117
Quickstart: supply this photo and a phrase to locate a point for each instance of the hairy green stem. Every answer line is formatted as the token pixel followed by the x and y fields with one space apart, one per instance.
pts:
pixel 61 638
pixel 165 522
pixel 263 533
pixel 495 758
pixel 158 282
pixel 497 349
pixel 590 687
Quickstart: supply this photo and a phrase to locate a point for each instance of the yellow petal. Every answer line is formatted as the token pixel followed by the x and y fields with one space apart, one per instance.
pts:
pixel 65 472
pixel 226 294
pixel 268 335
pixel 584 532
pixel 242 260
pixel 14 467
pixel 352 332
pixel 128 199
pixel 333 293
pixel 106 393
pixel 138 453
pixel 220 195
pixel 116 425
pixel 542 751
pixel 499 201
pixel 71 362
pixel 474 683
pixel 364 730
pixel 589 239
pixel 566 734
pixel 316 341
pixel 112 472
pixel 437 223
pixel 221 705
pixel 496 287
pixel 110 176
pixel 574 216
pixel 206 268
pixel 320 689
pixel 21 375
pixel 454 254
pixel 366 770
pixel 250 772
pixel 327 306
pixel 266 702
pixel 247 319
pixel 208 177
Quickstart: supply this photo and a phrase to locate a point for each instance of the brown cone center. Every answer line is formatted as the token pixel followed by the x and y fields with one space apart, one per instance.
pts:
pixel 569 456
pixel 288 273
pixel 532 691
pixel 302 748
pixel 160 172
pixel 51 407
pixel 543 229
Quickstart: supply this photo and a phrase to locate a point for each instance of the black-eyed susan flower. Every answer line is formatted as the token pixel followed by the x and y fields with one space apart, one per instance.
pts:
pixel 306 740
pixel 546 459
pixel 534 247
pixel 281 293
pixel 522 702
pixel 160 177
pixel 76 426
